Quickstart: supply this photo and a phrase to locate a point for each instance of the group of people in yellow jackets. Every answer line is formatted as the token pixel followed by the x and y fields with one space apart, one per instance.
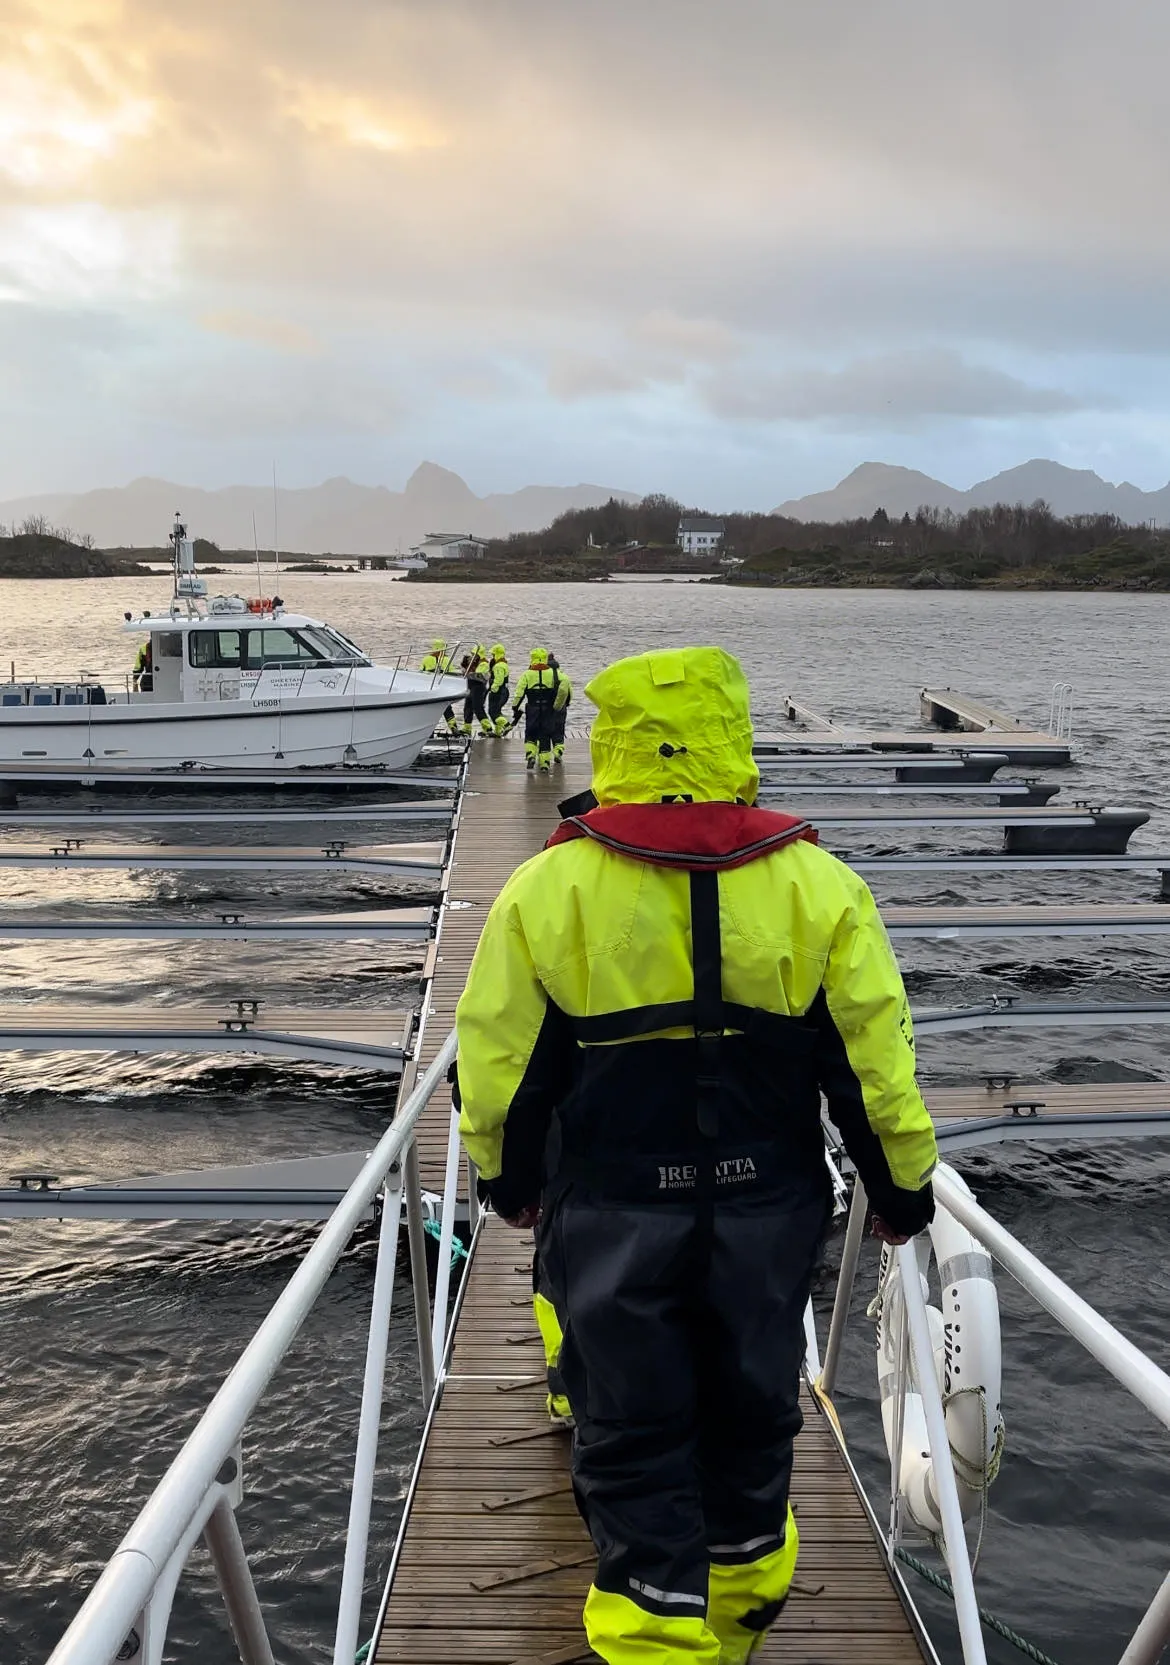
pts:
pixel 542 695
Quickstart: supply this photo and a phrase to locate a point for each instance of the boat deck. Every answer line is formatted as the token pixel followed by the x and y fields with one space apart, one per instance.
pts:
pixel 494 1561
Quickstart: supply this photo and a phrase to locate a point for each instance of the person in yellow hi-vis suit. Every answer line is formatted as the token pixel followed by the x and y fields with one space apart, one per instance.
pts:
pixel 438 662
pixel 543 692
pixel 657 1003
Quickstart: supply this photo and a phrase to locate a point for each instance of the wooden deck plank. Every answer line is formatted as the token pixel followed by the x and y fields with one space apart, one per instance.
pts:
pixel 493 1496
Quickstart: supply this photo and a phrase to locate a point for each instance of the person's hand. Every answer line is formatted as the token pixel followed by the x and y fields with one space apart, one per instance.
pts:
pixel 885 1234
pixel 528 1217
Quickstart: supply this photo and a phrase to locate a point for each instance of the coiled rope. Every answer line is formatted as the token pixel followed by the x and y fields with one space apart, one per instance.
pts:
pixel 433 1228
pixel 941 1582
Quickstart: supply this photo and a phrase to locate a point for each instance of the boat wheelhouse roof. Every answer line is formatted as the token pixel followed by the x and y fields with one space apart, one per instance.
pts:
pixel 280 620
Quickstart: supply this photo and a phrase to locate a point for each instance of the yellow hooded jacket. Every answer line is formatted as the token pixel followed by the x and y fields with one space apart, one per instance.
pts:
pixel 581 932
pixel 541 680
pixel 437 660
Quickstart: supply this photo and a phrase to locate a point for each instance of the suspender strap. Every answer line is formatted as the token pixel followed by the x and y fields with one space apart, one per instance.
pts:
pixel 709 1015
pixel 633 1021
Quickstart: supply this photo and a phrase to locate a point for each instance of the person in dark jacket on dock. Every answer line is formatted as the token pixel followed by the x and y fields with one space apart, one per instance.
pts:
pixel 655 1007
pixel 498 690
pixel 560 713
pixel 475 668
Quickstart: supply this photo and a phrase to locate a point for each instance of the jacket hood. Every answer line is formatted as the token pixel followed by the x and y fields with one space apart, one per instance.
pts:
pixel 670 725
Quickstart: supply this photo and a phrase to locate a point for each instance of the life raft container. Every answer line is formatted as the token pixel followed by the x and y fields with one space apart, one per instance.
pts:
pixel 260 604
pixel 967 1361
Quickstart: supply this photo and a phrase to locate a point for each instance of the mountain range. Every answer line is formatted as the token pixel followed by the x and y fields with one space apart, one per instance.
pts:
pixel 899 491
pixel 337 516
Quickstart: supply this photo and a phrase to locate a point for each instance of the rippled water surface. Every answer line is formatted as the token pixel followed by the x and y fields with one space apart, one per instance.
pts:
pixel 114 1336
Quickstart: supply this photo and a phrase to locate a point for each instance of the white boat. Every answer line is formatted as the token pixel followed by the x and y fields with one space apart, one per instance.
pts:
pixel 232 682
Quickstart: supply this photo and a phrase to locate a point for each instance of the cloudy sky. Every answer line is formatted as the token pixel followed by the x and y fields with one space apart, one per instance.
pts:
pixel 723 248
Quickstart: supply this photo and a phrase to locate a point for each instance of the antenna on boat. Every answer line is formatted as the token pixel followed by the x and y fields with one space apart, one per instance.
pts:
pixel 256 546
pixel 187 580
pixel 275 536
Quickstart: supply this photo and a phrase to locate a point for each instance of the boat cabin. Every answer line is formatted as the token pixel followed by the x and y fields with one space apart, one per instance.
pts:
pixel 241 650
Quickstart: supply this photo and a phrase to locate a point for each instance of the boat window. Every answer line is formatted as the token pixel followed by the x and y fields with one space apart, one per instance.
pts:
pixel 335 647
pixel 169 645
pixel 215 648
pixel 281 647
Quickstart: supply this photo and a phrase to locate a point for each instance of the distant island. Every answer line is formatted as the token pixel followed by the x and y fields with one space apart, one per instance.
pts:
pixel 1001 547
pixel 40 551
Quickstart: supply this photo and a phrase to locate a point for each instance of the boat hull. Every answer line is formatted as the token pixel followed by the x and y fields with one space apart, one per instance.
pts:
pixel 295 733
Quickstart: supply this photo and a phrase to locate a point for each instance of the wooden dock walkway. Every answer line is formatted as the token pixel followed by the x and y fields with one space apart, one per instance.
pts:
pixel 494 1561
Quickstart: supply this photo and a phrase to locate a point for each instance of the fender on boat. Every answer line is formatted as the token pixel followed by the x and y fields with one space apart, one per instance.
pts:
pixel 967 1362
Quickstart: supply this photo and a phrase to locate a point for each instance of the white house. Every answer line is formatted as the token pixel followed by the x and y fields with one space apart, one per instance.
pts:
pixel 449 546
pixel 697 535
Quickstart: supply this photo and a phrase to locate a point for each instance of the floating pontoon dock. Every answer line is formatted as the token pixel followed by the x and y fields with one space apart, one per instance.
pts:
pixel 972 766
pixel 90 815
pixel 1048 831
pixel 1005 792
pixel 1102 919
pixel 376 1039
pixel 405 924
pixel 1004 1109
pixel 405 861
pixel 493 1561
pixel 957 716
pixel 89 774
pixel 1105 831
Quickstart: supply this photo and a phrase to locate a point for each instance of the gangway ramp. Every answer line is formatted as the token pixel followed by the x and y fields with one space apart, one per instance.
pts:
pixel 494 1562
pixel 945 708
pixel 490 1509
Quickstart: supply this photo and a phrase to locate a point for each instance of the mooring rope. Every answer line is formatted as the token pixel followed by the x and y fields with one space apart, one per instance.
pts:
pixel 941 1582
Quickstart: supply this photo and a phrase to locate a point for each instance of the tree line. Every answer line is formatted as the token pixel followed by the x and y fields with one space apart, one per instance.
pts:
pixel 1003 541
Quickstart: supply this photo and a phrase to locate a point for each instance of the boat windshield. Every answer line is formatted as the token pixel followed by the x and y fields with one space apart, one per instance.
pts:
pixel 339 646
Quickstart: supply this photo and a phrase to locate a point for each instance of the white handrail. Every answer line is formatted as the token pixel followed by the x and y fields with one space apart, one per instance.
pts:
pixel 1108 1346
pixel 109 1611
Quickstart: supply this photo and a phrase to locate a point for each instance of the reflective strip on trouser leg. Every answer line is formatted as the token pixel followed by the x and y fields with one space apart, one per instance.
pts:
pixel 745 1597
pixel 530 748
pixel 550 1333
pixel 625 1633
